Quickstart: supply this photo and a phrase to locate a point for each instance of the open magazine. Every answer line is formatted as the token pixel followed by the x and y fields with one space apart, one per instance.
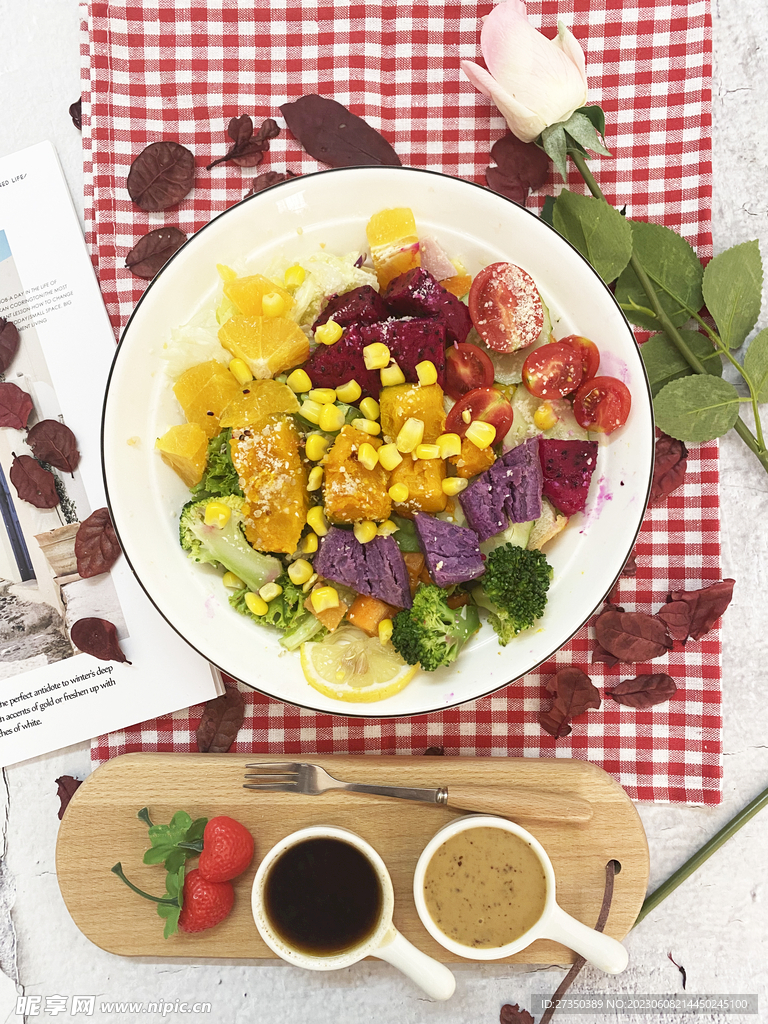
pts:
pixel 51 694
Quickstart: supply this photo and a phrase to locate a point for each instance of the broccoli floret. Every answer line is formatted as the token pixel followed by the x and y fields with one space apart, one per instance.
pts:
pixel 225 545
pixel 431 633
pixel 220 476
pixel 513 589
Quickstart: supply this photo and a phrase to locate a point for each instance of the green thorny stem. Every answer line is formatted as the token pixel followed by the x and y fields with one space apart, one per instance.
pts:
pixel 755 444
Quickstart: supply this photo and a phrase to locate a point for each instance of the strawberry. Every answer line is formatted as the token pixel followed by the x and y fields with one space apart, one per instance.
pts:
pixel 205 903
pixel 227 849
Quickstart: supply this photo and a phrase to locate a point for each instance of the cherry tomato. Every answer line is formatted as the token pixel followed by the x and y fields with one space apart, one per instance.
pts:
pixel 505 307
pixel 466 367
pixel 485 404
pixel 552 371
pixel 602 404
pixel 590 354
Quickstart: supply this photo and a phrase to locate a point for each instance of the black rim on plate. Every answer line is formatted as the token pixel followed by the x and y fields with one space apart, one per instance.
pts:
pixel 346 712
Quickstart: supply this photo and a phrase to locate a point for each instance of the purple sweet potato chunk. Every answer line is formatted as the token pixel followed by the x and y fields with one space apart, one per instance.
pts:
pixel 417 293
pixel 409 342
pixel 510 491
pixel 452 552
pixel 375 569
pixel 359 306
pixel 567 467
pixel 330 366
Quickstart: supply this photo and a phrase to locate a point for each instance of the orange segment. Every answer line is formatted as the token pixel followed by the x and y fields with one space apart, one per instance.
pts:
pixel 203 392
pixel 268 344
pixel 394 243
pixel 274 480
pixel 184 449
pixel 247 293
pixel 458 285
pixel 256 401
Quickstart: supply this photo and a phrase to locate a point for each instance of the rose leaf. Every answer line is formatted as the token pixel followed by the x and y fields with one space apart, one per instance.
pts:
pixel 669 466
pixel 334 135
pixel 33 483
pixel 54 443
pixel 221 721
pixel 514 1015
pixel 66 787
pixel 520 167
pixel 96 545
pixel 644 691
pixel 161 175
pixel 15 406
pixel 76 113
pixel 97 637
pixel 267 179
pixel 9 343
pixel 247 149
pixel 574 694
pixel 632 636
pixel 153 250
pixel 707 605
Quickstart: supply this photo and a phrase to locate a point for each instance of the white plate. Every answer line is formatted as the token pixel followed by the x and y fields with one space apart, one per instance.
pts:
pixel 295 218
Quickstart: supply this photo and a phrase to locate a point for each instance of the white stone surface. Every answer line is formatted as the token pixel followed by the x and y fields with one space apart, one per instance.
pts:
pixel 716 924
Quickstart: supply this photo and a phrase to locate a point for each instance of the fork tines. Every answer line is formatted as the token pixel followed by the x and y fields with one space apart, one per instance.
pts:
pixel 275 776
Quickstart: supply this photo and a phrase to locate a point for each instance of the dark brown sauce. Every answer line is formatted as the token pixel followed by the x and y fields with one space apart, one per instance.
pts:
pixel 323 896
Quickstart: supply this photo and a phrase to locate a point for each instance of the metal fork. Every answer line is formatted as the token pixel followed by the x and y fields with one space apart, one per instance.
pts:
pixel 312 780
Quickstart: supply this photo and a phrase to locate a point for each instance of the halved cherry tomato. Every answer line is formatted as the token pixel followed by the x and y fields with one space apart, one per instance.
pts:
pixel 505 307
pixel 602 404
pixel 552 371
pixel 485 404
pixel 466 367
pixel 590 354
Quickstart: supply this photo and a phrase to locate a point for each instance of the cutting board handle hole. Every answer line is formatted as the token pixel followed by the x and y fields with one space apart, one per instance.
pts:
pixel 616 866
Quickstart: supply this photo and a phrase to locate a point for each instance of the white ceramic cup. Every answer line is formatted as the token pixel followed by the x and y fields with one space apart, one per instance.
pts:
pixel 384 943
pixel 601 950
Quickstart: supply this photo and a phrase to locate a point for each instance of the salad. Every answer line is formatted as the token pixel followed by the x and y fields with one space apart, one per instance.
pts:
pixel 378 447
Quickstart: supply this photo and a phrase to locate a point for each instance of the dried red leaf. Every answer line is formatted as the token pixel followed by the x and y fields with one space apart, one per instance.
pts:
pixel 9 343
pixel 96 545
pixel 161 175
pixel 248 149
pixel 669 466
pixel 267 179
pixel 645 691
pixel 520 167
pixel 434 752
pixel 677 617
pixel 54 443
pixel 630 566
pixel 221 721
pixel 33 483
pixel 600 655
pixel 76 113
pixel 15 406
pixel 514 1015
pixel 574 694
pixel 707 605
pixel 97 637
pixel 153 250
pixel 632 636
pixel 334 135
pixel 67 786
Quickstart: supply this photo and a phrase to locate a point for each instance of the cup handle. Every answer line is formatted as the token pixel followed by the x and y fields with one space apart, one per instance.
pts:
pixel 601 950
pixel 430 975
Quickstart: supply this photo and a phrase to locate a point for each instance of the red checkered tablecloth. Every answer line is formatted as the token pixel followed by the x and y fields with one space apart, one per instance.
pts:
pixel 174 69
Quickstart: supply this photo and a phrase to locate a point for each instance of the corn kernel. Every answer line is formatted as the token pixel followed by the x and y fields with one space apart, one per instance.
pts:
pixel 217 514
pixel 385 631
pixel 273 304
pixel 389 456
pixel 376 356
pixel 256 604
pixel 466 415
pixel 315 480
pixel 365 531
pixel 449 445
pixel 427 451
pixel 545 417
pixel 399 492
pixel 453 485
pixel 411 434
pixel 308 545
pixel 311 411
pixel 310 583
pixel 368 456
pixel 481 434
pixel 368 426
pixel 328 333
pixel 299 381
pixel 349 392
pixel 231 581
pixel 331 418
pixel 426 372
pixel 270 591
pixel 316 519
pixel 369 407
pixel 294 276
pixel 240 371
pixel 324 598
pixel 323 396
pixel 387 528
pixel 299 571
pixel 316 447
pixel 391 375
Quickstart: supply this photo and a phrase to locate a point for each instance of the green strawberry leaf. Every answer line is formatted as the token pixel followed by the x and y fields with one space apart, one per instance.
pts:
pixel 174 843
pixel 158 854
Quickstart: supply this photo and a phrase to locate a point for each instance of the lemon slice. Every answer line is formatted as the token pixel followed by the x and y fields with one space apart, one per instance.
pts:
pixel 351 666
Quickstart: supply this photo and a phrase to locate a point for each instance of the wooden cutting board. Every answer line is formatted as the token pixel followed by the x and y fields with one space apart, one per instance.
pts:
pixel 100 828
